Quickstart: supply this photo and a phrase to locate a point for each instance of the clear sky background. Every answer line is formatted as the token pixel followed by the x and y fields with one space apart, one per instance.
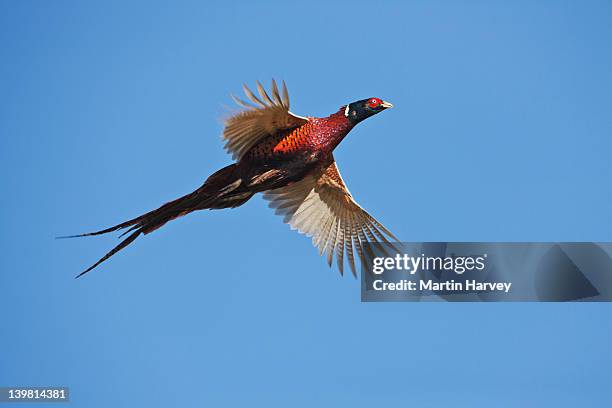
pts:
pixel 502 131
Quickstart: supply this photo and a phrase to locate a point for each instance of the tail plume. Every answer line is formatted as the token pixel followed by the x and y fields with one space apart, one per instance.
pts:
pixel 223 189
pixel 105 231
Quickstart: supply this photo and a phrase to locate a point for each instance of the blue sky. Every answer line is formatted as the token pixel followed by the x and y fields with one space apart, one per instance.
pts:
pixel 501 132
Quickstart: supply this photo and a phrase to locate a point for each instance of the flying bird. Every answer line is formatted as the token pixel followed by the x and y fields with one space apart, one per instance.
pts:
pixel 288 158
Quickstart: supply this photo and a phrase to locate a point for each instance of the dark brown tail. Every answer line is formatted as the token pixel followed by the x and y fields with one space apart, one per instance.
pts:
pixel 223 189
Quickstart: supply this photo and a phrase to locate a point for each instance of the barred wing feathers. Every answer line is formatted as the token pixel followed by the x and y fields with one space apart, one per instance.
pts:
pixel 264 116
pixel 321 207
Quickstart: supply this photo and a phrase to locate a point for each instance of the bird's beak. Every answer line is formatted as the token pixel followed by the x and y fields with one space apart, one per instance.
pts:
pixel 386 105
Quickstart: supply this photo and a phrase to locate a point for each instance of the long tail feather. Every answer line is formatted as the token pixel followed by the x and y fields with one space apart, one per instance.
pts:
pixel 149 222
pixel 112 252
pixel 105 231
pixel 221 190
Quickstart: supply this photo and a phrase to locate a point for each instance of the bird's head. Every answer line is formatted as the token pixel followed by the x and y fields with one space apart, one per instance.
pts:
pixel 363 109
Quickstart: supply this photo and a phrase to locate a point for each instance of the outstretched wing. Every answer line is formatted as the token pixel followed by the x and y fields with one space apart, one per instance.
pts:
pixel 321 207
pixel 265 116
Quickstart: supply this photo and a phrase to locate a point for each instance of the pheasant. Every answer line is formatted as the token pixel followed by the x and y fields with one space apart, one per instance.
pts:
pixel 288 158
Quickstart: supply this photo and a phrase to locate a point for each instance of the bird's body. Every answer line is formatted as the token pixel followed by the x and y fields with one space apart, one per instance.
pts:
pixel 292 154
pixel 320 135
pixel 290 159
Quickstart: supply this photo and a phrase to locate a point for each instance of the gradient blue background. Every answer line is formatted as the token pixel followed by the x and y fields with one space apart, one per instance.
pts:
pixel 502 131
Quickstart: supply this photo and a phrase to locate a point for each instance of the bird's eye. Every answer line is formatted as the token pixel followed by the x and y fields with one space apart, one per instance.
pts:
pixel 373 103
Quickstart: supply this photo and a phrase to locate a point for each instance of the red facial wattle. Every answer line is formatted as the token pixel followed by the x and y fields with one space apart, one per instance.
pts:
pixel 374 103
